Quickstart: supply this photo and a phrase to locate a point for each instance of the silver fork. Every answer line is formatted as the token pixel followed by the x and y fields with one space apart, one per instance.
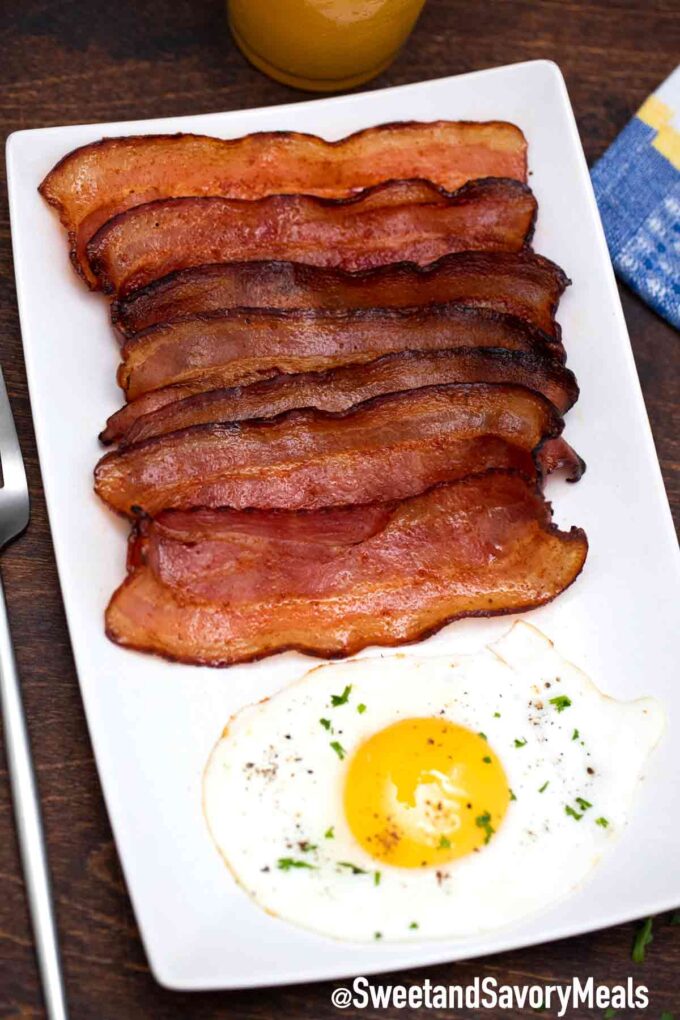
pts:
pixel 14 514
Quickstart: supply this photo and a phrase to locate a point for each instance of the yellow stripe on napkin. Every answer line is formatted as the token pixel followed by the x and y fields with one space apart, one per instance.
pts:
pixel 667 142
pixel 654 113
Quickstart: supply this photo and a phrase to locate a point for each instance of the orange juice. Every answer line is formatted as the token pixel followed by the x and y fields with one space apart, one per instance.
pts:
pixel 322 45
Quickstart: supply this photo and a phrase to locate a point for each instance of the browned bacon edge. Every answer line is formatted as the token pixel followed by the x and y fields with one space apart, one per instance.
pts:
pixel 242 346
pixel 340 388
pixel 557 455
pixel 532 562
pixel 149 241
pixel 97 181
pixel 391 446
pixel 517 283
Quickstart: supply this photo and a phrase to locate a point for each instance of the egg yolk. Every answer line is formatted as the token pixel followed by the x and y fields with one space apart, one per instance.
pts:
pixel 424 792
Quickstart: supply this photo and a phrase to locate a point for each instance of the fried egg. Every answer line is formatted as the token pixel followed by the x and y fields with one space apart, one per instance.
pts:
pixel 401 797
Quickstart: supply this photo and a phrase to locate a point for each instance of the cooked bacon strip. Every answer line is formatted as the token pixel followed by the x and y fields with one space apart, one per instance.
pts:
pixel 386 448
pixel 557 455
pixel 97 181
pixel 220 587
pixel 244 345
pixel 398 220
pixel 121 421
pixel 341 388
pixel 521 284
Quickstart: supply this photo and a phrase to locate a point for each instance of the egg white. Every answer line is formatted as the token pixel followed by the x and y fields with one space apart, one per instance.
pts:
pixel 273 789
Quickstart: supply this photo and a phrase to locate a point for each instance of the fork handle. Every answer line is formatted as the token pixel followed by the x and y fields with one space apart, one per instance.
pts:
pixel 29 825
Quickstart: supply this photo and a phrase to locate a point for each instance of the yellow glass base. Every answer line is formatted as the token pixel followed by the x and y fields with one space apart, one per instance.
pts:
pixel 308 84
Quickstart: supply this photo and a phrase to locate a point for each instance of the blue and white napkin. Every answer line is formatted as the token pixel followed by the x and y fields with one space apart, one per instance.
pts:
pixel 637 186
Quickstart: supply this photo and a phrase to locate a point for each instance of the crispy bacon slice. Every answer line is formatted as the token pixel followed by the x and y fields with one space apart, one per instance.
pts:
pixel 244 345
pixel 95 182
pixel 398 220
pixel 221 587
pixel 522 284
pixel 341 388
pixel 386 448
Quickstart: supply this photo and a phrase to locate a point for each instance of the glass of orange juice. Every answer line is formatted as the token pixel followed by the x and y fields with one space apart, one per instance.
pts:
pixel 322 45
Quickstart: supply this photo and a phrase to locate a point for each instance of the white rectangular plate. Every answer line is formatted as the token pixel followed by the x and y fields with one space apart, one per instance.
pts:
pixel 153 723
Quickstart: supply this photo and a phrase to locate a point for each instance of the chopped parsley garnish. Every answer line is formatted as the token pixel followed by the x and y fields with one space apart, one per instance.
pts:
pixel 520 743
pixel 572 813
pixel 361 708
pixel 338 748
pixel 377 875
pixel 355 869
pixel 484 822
pixel 610 1013
pixel 413 925
pixel 675 917
pixel 602 822
pixel 575 735
pixel 329 833
pixel 512 795
pixel 561 702
pixel 545 786
pixel 377 935
pixel 642 939
pixel 667 1016
pixel 286 863
pixel 308 847
pixel 444 843
pixel 483 735
pixel 497 715
pixel 341 699
pixel 583 804
pixel 327 724
pixel 486 759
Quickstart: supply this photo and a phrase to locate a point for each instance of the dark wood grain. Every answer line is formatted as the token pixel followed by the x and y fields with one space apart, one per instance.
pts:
pixel 69 62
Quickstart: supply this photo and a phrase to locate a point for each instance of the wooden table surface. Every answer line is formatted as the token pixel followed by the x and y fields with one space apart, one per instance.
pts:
pixel 69 62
